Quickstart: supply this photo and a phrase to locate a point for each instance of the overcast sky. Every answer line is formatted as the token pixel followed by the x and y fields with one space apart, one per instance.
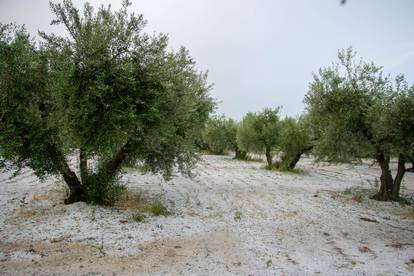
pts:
pixel 261 53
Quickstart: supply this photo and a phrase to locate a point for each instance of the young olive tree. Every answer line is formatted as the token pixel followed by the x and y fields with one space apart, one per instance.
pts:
pixel 357 113
pixel 260 132
pixel 295 140
pixel 109 93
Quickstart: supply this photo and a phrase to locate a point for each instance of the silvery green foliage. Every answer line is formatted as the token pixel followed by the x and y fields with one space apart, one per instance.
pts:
pixel 260 132
pixel 355 112
pixel 295 140
pixel 220 134
pixel 108 89
pixel 340 105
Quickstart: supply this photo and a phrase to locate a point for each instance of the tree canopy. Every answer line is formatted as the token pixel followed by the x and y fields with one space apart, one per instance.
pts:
pixel 260 133
pixel 220 135
pixel 108 92
pixel 356 112
pixel 295 140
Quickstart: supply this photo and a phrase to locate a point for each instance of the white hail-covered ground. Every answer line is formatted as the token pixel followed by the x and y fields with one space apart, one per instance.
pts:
pixel 233 217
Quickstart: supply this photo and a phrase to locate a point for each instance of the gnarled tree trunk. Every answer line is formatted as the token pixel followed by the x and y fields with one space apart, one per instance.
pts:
pixel 76 189
pixel 290 163
pixel 385 191
pixel 111 167
pixel 395 195
pixel 295 160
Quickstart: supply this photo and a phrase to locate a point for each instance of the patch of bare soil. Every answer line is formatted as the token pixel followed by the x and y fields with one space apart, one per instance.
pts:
pixel 161 256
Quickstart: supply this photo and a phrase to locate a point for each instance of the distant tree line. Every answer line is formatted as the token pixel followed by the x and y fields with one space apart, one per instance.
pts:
pixel 260 132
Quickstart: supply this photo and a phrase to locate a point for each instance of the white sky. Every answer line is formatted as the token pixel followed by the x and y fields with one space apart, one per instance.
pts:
pixel 262 53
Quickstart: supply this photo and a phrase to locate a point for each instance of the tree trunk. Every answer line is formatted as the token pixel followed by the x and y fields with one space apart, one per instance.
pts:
pixel 83 164
pixel 295 160
pixel 268 157
pixel 76 190
pixel 398 178
pixel 385 192
pixel 111 167
pixel 288 163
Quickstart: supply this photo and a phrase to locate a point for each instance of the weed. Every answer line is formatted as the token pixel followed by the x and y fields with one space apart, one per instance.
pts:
pixel 134 201
pixel 103 191
pixel 237 216
pixel 357 194
pixel 138 217
pixel 269 263
pixel 405 201
pixel 159 209
pixel 277 167
pixel 141 205
pixel 100 248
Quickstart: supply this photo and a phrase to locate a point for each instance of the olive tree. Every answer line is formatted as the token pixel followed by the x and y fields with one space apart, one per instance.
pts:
pixel 108 93
pixel 295 140
pixel 260 132
pixel 400 124
pixel 355 112
pixel 233 127
pixel 220 135
pixel 216 136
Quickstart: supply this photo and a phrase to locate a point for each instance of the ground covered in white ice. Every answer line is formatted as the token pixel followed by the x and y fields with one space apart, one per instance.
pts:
pixel 233 217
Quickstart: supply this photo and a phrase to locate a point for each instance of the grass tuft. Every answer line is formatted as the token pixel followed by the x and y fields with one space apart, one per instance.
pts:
pixel 237 216
pixel 269 263
pixel 278 168
pixel 142 205
pixel 138 217
pixel 404 201
pixel 159 209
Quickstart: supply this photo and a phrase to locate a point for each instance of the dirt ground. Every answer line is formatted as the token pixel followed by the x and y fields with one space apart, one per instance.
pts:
pixel 233 217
